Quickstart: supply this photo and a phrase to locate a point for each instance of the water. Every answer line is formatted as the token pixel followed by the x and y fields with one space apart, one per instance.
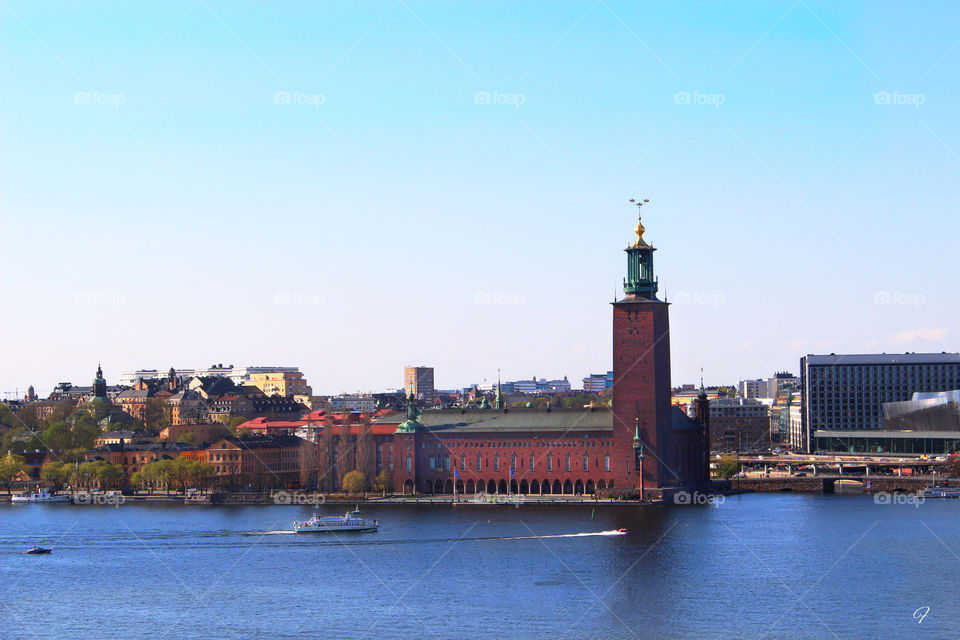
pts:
pixel 755 566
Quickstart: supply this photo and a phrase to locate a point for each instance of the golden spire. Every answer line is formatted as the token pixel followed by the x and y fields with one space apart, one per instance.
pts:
pixel 640 228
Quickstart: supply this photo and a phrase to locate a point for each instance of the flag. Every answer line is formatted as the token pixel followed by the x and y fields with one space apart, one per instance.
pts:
pixel 511 474
pixel 456 473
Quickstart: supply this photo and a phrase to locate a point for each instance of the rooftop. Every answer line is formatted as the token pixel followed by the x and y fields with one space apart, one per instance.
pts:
pixel 883 358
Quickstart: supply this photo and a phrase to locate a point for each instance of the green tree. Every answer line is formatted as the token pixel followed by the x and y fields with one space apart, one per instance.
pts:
pixel 107 475
pixel 85 475
pixel 21 439
pixel 188 438
pixel 80 435
pixel 183 472
pixel 384 482
pixel 56 473
pixel 156 475
pixel 727 466
pixel 97 410
pixel 29 417
pixel 202 473
pixel 354 482
pixel 61 411
pixel 179 472
pixel 156 414
pixel 6 415
pixel 70 456
pixel 10 467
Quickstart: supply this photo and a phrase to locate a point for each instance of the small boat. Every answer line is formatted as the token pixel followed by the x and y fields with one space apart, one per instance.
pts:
pixel 940 492
pixel 623 530
pixel 351 521
pixel 40 495
pixel 35 551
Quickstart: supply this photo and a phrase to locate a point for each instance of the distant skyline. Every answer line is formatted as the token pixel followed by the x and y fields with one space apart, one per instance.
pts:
pixel 351 189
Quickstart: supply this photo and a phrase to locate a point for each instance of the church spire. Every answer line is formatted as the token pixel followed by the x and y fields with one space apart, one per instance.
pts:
pixel 99 384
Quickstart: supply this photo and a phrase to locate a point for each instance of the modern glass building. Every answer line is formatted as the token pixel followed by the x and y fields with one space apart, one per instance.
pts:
pixel 844 395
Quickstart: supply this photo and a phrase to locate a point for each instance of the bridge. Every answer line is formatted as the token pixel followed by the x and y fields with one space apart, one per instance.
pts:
pixel 841 465
pixel 832 484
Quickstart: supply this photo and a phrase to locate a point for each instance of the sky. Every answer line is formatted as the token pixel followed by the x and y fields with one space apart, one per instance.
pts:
pixel 354 188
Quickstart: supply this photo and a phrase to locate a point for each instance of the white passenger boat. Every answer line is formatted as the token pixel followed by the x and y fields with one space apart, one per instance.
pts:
pixel 40 495
pixel 352 521
pixel 940 492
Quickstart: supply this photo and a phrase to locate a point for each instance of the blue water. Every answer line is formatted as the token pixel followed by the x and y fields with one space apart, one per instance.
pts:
pixel 755 566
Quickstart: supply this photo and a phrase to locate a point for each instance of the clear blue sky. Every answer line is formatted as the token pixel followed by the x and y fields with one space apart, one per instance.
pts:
pixel 162 205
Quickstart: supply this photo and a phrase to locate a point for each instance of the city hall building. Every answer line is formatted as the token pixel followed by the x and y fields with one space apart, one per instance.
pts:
pixel 642 445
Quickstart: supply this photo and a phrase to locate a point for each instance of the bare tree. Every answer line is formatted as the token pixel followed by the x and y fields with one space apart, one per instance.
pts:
pixel 327 444
pixel 366 460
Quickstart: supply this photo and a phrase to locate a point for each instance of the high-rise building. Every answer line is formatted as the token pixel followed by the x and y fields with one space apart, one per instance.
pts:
pixel 846 393
pixel 419 382
pixel 753 388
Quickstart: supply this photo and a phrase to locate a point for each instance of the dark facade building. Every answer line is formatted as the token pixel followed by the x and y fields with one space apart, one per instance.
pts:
pixel 257 462
pixel 738 424
pixel 846 393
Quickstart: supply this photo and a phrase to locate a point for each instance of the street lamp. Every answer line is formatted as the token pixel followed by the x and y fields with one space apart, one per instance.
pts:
pixel 638 453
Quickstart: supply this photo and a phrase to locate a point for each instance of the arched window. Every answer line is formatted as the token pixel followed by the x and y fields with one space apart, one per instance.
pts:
pixel 513 462
pixel 606 462
pixel 566 462
pixel 463 461
pixel 586 463
pixel 409 464
pixel 531 462
pixel 549 462
pixel 496 462
pixel 478 462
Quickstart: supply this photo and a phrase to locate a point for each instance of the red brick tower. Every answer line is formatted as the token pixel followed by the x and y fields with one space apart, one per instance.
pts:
pixel 641 373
